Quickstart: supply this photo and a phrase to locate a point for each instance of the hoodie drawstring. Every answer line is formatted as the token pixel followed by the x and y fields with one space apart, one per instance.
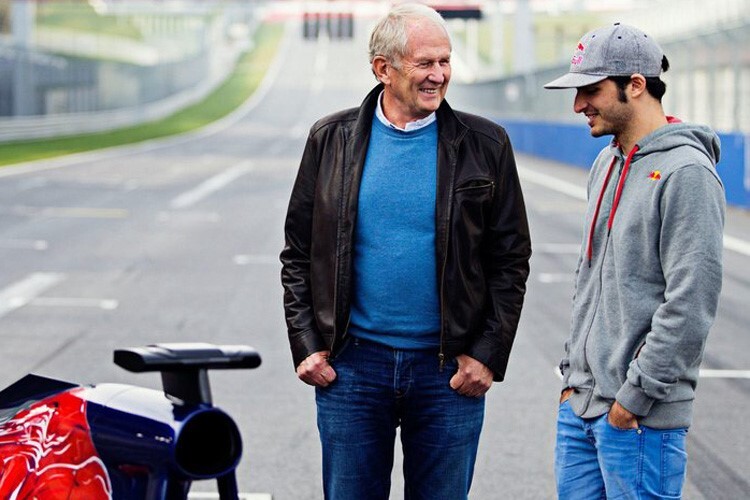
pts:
pixel 618 193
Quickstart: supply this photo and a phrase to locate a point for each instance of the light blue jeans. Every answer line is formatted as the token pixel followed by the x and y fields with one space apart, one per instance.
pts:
pixel 595 460
pixel 378 389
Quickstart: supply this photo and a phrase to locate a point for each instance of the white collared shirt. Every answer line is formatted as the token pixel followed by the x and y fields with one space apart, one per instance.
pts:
pixel 411 126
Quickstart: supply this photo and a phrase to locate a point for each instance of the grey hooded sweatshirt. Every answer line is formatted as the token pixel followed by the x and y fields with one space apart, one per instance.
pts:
pixel 648 278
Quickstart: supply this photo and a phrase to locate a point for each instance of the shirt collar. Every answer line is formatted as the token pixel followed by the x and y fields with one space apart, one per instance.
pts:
pixel 410 127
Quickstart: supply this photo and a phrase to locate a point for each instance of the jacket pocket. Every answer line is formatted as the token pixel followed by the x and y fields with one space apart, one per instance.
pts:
pixel 478 186
pixel 472 206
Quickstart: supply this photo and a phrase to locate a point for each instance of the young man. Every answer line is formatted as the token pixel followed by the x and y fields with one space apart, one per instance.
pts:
pixel 648 278
pixel 404 271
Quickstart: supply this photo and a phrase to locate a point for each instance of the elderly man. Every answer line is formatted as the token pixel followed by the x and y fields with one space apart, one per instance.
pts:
pixel 404 271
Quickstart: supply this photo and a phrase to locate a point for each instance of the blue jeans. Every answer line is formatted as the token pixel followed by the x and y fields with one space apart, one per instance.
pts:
pixel 378 389
pixel 595 460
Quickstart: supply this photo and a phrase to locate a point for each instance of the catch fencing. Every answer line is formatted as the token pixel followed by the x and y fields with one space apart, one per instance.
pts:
pixel 708 82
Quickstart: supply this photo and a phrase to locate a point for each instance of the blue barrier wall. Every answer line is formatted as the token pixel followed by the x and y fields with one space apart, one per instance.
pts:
pixel 574 145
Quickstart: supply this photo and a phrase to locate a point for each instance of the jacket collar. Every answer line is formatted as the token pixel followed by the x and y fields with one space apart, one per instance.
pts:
pixel 450 126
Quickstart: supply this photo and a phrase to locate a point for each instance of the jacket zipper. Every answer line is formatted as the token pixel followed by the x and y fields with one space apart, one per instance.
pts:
pixel 337 275
pixel 343 336
pixel 441 353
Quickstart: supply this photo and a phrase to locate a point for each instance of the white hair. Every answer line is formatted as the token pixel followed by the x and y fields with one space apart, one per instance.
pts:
pixel 390 36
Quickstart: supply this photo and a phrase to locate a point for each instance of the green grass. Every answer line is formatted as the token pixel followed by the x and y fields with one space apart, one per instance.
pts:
pixel 245 78
pixel 77 15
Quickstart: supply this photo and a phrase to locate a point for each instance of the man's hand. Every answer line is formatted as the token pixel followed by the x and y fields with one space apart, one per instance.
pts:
pixel 315 370
pixel 473 378
pixel 621 418
pixel 565 395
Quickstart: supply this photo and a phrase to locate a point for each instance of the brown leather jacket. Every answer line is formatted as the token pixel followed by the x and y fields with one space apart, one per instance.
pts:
pixel 482 237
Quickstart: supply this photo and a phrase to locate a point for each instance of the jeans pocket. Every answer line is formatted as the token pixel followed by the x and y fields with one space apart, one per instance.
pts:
pixel 614 428
pixel 673 462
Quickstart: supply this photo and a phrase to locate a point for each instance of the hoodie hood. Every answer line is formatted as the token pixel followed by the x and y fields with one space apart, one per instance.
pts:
pixel 677 135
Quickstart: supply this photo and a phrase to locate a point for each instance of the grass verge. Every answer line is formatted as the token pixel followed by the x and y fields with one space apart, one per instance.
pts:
pixel 235 90
pixel 77 15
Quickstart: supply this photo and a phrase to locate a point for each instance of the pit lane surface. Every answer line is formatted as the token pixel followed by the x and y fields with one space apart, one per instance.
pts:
pixel 178 240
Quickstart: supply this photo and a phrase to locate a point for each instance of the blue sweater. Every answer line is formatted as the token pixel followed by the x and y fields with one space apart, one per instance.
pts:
pixel 395 300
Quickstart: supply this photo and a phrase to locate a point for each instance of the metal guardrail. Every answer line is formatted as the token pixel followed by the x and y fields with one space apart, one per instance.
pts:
pixel 54 83
pixel 17 128
pixel 708 83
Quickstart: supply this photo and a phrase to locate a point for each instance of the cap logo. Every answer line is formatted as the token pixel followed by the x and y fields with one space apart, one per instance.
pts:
pixel 578 56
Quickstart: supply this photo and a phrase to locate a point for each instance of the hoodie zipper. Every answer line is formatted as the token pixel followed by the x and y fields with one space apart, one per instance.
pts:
pixel 615 203
pixel 620 186
pixel 590 245
pixel 590 249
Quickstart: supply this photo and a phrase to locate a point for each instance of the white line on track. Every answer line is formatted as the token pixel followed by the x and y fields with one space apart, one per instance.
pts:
pixel 243 260
pixel 557 248
pixel 106 304
pixel 241 496
pixel 79 212
pixel 21 292
pixel 24 244
pixel 703 373
pixel 730 243
pixel 553 183
pixel 188 216
pixel 555 277
pixel 211 185
pixel 737 245
pixel 725 374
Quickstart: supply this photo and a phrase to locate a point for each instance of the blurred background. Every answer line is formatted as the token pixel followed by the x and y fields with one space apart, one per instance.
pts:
pixel 73 67
pixel 147 153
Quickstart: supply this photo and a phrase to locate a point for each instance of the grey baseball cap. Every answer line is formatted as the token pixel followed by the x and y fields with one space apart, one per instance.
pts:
pixel 617 50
